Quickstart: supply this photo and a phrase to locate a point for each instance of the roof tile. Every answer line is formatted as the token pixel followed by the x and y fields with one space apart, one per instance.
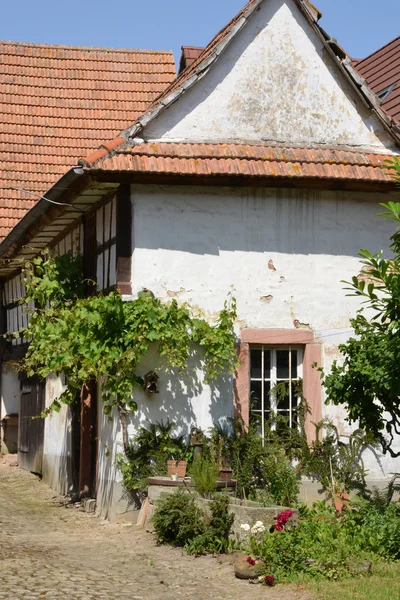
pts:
pixel 243 160
pixel 58 102
pixel 382 69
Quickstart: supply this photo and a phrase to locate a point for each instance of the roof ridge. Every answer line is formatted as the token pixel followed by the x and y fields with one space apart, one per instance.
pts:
pixel 365 154
pixel 361 60
pixel 87 48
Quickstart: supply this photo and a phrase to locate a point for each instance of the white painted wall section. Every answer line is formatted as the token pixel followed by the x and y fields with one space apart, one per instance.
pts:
pixel 10 398
pixel 275 82
pixel 57 441
pixel 283 253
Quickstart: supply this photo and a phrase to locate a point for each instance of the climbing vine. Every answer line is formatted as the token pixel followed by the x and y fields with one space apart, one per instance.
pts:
pixel 90 336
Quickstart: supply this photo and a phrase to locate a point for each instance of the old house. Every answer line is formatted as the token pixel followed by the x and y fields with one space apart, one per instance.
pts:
pixel 61 101
pixel 259 170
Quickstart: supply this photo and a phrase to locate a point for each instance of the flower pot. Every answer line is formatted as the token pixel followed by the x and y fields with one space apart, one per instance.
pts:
pixel 177 467
pixel 225 475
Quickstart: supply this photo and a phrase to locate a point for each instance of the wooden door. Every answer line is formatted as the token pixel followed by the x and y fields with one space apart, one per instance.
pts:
pixel 31 428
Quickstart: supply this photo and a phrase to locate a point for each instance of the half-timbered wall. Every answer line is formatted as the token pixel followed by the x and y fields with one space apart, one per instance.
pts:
pixel 106 244
pixel 17 315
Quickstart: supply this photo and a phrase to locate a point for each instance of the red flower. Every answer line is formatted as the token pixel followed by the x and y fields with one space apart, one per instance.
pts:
pixel 251 561
pixel 282 519
pixel 269 580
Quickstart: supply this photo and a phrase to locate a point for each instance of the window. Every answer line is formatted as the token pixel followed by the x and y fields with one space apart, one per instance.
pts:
pixel 386 92
pixel 270 367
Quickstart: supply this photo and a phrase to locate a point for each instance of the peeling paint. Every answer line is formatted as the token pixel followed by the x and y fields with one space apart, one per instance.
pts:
pixel 171 294
pixel 271 265
pixel 299 325
pixel 266 299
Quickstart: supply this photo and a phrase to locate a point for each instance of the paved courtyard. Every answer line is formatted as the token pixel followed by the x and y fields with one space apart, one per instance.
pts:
pixel 50 551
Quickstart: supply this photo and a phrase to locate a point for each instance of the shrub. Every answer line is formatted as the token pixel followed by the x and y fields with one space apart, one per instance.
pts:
pixel 257 467
pixel 324 545
pixel 204 474
pixel 215 539
pixel 147 455
pixel 177 519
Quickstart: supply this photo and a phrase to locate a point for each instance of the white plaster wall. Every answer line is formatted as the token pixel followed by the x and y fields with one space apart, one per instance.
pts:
pixel 283 253
pixel 273 83
pixel 57 441
pixel 10 396
pixel 185 402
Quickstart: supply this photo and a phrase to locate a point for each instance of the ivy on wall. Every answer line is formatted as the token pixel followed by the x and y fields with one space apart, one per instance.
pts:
pixel 101 337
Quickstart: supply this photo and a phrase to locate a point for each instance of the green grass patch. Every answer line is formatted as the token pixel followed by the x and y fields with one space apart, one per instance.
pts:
pixel 383 584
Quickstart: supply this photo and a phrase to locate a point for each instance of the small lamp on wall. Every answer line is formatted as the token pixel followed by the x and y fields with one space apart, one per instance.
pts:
pixel 151 383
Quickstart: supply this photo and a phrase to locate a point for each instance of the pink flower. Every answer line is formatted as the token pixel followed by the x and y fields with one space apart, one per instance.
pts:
pixel 269 580
pixel 279 527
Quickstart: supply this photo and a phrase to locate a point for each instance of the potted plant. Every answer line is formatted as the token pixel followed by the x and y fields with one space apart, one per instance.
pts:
pixel 177 464
pixel 224 473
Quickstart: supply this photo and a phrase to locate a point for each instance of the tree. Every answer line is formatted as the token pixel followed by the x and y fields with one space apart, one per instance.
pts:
pixel 367 383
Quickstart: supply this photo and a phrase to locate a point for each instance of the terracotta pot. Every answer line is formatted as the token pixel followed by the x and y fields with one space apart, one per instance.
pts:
pixel 177 467
pixel 225 475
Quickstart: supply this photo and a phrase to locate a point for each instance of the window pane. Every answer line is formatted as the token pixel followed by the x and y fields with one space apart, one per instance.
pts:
pixel 282 399
pixel 255 364
pixel 282 364
pixel 255 395
pixel 267 399
pixel 295 404
pixel 267 364
pixel 294 364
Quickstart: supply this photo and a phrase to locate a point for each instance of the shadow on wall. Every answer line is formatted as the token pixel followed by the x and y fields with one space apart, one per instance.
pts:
pixel 184 400
pixel 57 454
pixel 109 445
pixel 285 221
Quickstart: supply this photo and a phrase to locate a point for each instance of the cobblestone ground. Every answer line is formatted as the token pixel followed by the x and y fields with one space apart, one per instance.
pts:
pixel 49 551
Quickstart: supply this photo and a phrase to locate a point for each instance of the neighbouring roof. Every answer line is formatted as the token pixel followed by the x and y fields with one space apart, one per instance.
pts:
pixel 59 102
pixel 382 72
pixel 188 56
pixel 242 160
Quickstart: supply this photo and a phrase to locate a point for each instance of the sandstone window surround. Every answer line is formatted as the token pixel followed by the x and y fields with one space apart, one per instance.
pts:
pixel 311 351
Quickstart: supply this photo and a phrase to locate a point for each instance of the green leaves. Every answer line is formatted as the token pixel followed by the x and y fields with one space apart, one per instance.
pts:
pixel 101 337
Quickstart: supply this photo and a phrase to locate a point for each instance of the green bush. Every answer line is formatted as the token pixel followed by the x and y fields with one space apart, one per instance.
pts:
pixel 215 539
pixel 204 474
pixel 324 545
pixel 147 456
pixel 263 472
pixel 177 519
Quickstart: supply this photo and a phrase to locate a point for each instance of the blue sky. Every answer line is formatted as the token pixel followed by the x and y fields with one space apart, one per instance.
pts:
pixel 360 26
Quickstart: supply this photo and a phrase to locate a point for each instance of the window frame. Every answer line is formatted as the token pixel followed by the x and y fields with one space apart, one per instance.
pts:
pixel 312 355
pixel 273 379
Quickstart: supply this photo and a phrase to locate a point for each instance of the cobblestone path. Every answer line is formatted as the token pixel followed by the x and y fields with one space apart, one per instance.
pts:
pixel 48 551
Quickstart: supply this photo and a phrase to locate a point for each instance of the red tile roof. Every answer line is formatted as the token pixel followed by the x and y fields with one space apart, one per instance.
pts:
pixel 58 102
pixel 381 70
pixel 242 160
